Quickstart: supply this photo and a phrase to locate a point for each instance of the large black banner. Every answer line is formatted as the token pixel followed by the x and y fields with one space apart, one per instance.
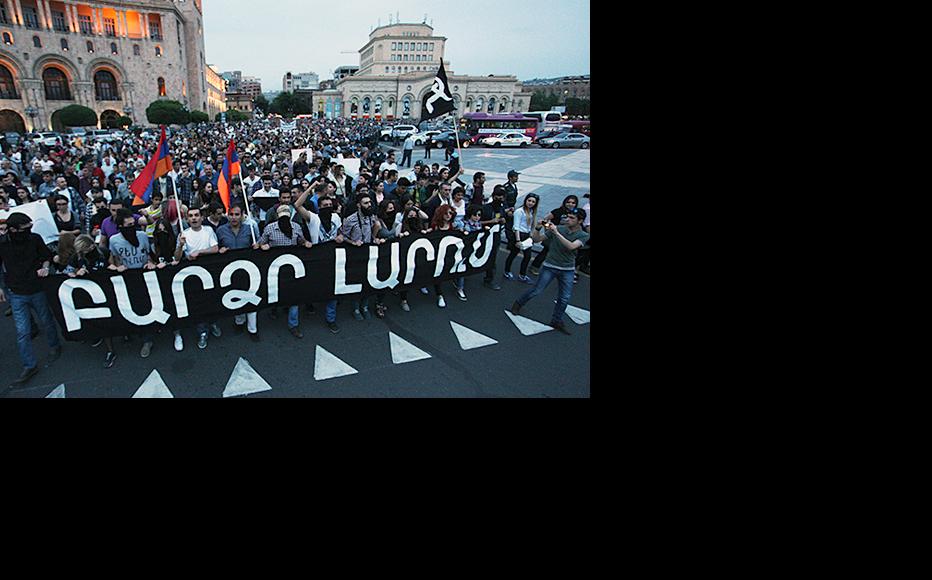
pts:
pixel 215 287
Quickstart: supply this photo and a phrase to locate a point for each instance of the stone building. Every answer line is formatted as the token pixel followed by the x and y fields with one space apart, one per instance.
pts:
pixel 303 81
pixel 216 93
pixel 115 57
pixel 238 101
pixel 576 87
pixel 397 68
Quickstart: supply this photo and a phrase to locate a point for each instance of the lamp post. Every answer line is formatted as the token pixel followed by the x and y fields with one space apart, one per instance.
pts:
pixel 33 113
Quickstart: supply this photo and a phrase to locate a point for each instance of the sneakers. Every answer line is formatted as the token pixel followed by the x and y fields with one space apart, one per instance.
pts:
pixel 215 330
pixel 575 278
pixel 491 285
pixel 202 341
pixel 108 362
pixel 404 306
pixel 441 302
pixel 97 343
pixel 425 291
pixel 179 343
pixel 525 279
pixel 254 336
pixel 333 327
pixel 357 315
pixel 146 350
pixel 366 314
pixel 296 332
pixel 534 271
pixel 461 293
pixel 559 326
pixel 516 308
pixel 26 375
pixel 509 276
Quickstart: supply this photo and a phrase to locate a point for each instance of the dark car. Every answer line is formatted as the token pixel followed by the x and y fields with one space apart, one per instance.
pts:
pixel 447 137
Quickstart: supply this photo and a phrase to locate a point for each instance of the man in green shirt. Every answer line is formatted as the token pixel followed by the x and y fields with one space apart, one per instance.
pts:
pixel 565 241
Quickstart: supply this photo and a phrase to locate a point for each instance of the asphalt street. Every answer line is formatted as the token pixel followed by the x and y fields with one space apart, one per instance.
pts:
pixel 548 364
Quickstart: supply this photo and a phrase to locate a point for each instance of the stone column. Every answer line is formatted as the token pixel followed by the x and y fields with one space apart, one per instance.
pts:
pixel 142 24
pixel 73 16
pixel 11 13
pixel 19 12
pixel 124 26
pixel 145 29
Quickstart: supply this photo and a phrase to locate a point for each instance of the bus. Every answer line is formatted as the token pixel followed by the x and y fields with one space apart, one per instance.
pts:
pixel 481 125
pixel 547 121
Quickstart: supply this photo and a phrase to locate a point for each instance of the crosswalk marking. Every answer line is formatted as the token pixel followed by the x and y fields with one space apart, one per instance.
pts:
pixel 527 326
pixel 327 366
pixel 245 381
pixel 578 315
pixel 58 393
pixel 403 351
pixel 470 339
pixel 154 388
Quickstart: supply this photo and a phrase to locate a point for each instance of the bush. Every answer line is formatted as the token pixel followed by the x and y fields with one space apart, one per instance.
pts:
pixel 77 116
pixel 234 116
pixel 125 121
pixel 167 113
pixel 199 117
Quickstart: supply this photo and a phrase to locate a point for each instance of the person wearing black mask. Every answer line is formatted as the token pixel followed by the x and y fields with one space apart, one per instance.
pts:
pixel 494 213
pixel 329 231
pixel 284 232
pixel 24 258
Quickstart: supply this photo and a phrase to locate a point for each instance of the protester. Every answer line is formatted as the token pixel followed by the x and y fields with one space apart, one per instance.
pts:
pixel 197 240
pixel 235 235
pixel 525 220
pixel 130 249
pixel 570 202
pixel 283 232
pixel 360 228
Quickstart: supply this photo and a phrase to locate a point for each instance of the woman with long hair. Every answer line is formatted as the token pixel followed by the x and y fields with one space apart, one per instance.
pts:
pixel 412 224
pixel 524 224
pixel 164 239
pixel 66 251
pixel 87 258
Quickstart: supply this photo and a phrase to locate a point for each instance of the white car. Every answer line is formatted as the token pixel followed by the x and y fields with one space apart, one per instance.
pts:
pixel 402 131
pixel 507 140
pixel 49 138
pixel 420 138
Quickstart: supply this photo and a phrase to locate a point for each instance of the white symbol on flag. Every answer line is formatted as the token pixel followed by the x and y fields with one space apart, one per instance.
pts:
pixel 438 90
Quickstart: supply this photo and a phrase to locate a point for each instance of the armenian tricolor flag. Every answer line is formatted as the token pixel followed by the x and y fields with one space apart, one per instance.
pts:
pixel 159 165
pixel 230 170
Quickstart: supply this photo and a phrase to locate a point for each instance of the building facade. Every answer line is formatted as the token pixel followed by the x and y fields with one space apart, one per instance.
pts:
pixel 397 68
pixel 234 80
pixel 576 87
pixel 239 102
pixel 251 86
pixel 300 81
pixel 115 57
pixel 216 93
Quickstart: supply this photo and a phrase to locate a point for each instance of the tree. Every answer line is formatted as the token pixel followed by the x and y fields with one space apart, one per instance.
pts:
pixel 233 116
pixel 542 101
pixel 261 103
pixel 199 117
pixel 167 113
pixel 125 121
pixel 576 106
pixel 77 116
pixel 284 104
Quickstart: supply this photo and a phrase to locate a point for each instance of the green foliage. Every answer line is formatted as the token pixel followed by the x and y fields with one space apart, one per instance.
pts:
pixel 167 113
pixel 233 116
pixel 77 116
pixel 576 106
pixel 199 117
pixel 261 103
pixel 125 121
pixel 542 101
pixel 288 104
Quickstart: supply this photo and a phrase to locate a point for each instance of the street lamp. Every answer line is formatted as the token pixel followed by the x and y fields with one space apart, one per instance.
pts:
pixel 33 113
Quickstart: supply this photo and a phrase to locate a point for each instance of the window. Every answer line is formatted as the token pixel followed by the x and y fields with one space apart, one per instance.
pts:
pixel 3 16
pixel 7 86
pixel 155 31
pixel 36 42
pixel 110 27
pixel 406 58
pixel 58 22
pixel 7 38
pixel 162 91
pixel 90 46
pixel 85 23
pixel 105 86
pixel 158 51
pixel 394 44
pixel 136 50
pixel 386 69
pixel 30 17
pixel 56 85
pixel 406 46
pixel 113 48
pixel 64 44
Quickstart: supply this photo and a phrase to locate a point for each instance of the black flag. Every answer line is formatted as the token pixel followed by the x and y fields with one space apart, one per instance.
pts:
pixel 438 101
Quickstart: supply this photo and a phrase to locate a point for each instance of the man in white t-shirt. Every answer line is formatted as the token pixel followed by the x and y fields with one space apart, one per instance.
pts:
pixel 198 240
pixel 266 191
pixel 108 164
pixel 388 163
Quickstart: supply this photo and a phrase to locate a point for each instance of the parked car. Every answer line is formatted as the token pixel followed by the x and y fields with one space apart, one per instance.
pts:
pixel 420 138
pixel 77 132
pixel 565 140
pixel 385 134
pixel 101 136
pixel 507 140
pixel 13 138
pixel 49 138
pixel 448 137
pixel 402 131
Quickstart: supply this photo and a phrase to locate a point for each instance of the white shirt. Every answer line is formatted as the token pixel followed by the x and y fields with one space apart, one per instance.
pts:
pixel 108 165
pixel 586 208
pixel 47 165
pixel 461 208
pixel 199 241
pixel 386 165
pixel 313 227
pixel 263 193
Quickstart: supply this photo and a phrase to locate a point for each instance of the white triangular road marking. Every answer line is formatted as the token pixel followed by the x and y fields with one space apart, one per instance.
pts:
pixel 578 315
pixel 327 366
pixel 470 339
pixel 245 381
pixel 154 388
pixel 527 326
pixel 58 393
pixel 403 351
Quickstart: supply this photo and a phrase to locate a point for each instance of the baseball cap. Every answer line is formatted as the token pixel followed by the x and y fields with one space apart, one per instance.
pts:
pixel 513 173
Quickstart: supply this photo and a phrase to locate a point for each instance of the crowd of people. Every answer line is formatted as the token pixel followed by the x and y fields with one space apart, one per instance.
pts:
pixel 277 201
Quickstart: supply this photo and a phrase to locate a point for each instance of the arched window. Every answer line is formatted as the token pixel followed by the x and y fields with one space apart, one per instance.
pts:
pixel 491 108
pixel 158 51
pixel 113 48
pixel 7 38
pixel 407 107
pixel 7 86
pixel 105 86
pixel 365 105
pixel 64 44
pixel 503 106
pixel 36 42
pixel 56 85
pixel 136 50
pixel 479 102
pixel 162 91
pixel 354 106
pixel 90 46
pixel 378 105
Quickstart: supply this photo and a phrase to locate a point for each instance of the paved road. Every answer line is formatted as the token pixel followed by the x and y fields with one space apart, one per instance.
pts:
pixel 541 365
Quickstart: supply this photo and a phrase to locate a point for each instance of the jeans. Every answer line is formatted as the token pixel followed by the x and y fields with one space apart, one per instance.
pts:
pixel 362 304
pixel 293 317
pixel 332 311
pixel 21 305
pixel 249 319
pixel 565 282
pixel 528 253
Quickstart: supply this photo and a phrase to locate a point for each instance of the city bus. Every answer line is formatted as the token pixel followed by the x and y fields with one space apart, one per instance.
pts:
pixel 481 125
pixel 547 121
